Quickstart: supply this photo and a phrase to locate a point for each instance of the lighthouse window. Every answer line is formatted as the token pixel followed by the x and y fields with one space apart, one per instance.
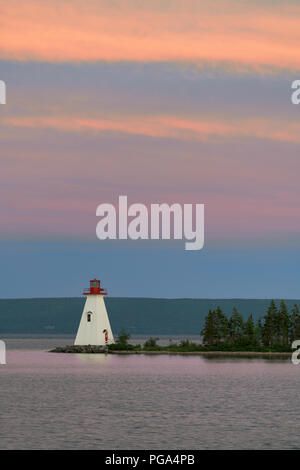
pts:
pixel 89 317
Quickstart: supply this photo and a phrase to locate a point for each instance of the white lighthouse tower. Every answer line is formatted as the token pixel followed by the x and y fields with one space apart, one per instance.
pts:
pixel 94 327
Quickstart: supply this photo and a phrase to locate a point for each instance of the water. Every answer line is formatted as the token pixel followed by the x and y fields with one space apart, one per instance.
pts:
pixel 68 401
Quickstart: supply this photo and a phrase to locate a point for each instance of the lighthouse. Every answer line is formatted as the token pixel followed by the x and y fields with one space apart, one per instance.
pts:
pixel 94 327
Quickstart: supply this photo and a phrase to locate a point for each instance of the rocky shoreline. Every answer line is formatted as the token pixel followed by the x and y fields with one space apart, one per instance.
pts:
pixel 81 349
pixel 105 350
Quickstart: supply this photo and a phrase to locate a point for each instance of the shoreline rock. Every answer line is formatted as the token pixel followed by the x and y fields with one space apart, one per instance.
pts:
pixel 90 349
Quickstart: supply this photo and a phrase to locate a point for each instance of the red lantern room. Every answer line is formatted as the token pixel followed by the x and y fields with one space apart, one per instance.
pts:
pixel 94 288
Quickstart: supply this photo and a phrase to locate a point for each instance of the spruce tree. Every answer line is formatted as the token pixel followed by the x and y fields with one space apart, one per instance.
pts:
pixel 250 332
pixel 259 330
pixel 222 325
pixel 294 324
pixel 270 326
pixel 283 324
pixel 209 330
pixel 235 325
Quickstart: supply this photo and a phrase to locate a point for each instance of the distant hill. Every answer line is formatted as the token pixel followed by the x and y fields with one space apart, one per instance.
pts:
pixel 136 315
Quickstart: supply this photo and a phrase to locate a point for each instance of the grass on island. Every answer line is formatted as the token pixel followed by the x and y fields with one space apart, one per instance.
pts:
pixel 186 346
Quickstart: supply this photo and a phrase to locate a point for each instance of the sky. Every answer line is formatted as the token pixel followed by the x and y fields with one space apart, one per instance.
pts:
pixel 174 101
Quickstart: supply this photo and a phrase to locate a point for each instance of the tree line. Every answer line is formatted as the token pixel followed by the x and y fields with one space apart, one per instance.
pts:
pixel 277 329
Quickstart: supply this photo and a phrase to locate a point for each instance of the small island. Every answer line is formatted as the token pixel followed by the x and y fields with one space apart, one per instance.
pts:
pixel 273 334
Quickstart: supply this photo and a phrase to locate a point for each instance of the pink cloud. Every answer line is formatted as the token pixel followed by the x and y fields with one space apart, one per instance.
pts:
pixel 201 128
pixel 255 35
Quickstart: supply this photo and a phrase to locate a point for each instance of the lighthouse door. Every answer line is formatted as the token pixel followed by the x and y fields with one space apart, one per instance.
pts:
pixel 105 336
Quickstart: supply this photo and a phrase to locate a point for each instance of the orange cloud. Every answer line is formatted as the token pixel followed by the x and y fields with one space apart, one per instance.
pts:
pixel 169 126
pixel 245 34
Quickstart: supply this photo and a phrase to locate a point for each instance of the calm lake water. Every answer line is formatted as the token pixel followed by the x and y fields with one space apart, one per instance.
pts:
pixel 61 401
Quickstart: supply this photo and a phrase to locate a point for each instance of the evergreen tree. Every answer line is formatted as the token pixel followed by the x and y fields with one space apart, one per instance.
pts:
pixel 250 332
pixel 221 325
pixel 215 328
pixel 209 330
pixel 235 325
pixel 294 332
pixel 283 324
pixel 270 326
pixel 259 330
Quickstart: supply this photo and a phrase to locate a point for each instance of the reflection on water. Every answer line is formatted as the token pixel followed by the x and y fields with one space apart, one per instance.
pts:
pixel 93 359
pixel 70 401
